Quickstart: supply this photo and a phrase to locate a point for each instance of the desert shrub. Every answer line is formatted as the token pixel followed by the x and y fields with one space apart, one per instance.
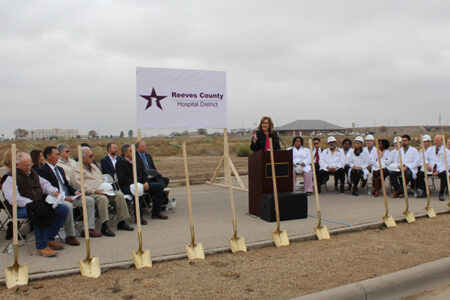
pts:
pixel 243 150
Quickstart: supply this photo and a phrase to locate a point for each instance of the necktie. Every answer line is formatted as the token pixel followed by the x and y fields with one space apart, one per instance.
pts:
pixel 61 182
pixel 316 156
pixel 437 150
pixel 144 159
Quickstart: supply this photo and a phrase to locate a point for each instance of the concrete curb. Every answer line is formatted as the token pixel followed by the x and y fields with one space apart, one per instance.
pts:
pixel 391 286
pixel 254 245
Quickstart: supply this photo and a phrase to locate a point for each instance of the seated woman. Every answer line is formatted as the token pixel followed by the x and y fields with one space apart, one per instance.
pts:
pixel 358 162
pixel 37 158
pixel 260 138
pixel 376 177
pixel 302 163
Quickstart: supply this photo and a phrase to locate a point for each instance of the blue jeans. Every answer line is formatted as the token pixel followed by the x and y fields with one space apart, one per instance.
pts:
pixel 43 236
pixel 396 180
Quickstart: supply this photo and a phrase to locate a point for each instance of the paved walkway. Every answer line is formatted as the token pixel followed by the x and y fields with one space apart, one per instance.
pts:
pixel 212 216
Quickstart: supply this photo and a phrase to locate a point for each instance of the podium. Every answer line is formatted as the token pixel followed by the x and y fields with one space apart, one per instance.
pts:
pixel 260 176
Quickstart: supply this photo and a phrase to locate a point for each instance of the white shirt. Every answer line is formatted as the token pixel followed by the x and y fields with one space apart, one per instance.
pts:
pixel 385 157
pixel 300 156
pixel 329 160
pixel 347 155
pixel 68 167
pixel 113 160
pixel 438 159
pixel 362 160
pixel 7 188
pixel 314 153
pixel 373 156
pixel 410 159
pixel 57 175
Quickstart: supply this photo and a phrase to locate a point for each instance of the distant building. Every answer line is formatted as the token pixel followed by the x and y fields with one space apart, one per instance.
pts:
pixel 55 133
pixel 308 127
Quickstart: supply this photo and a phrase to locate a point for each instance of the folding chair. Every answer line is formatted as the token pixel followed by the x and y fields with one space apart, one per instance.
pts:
pixel 20 223
pixel 114 181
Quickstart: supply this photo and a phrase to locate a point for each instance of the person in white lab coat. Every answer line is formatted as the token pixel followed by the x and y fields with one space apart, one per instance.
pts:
pixel 332 161
pixel 372 152
pixel 410 159
pixel 437 161
pixel 347 148
pixel 358 162
pixel 376 176
pixel 420 181
pixel 301 159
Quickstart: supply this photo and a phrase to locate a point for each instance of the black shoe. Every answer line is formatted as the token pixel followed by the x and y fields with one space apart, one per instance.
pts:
pixel 441 196
pixel 106 231
pixel 335 187
pixel 124 226
pixel 355 192
pixel 9 231
pixel 342 189
pixel 363 183
pixel 420 194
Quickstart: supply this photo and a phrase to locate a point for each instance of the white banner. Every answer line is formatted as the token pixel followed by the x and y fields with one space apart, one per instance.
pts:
pixel 170 98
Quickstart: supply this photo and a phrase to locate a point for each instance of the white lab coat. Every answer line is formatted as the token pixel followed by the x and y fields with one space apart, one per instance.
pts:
pixel 410 159
pixel 362 160
pixel 373 156
pixel 385 157
pixel 301 155
pixel 335 160
pixel 438 159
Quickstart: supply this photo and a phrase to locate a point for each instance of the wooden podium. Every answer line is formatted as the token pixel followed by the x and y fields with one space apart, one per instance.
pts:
pixel 260 176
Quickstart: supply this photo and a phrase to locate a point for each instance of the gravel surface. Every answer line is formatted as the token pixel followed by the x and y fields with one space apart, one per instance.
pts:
pixel 266 273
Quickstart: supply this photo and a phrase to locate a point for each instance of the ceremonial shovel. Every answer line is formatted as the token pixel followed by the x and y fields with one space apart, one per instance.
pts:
pixel 15 274
pixel 280 237
pixel 193 250
pixel 407 213
pixel 321 230
pixel 237 243
pixel 388 220
pixel 90 266
pixel 142 258
pixel 446 167
pixel 428 208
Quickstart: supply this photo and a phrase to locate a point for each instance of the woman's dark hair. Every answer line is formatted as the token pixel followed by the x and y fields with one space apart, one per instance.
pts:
pixel 385 144
pixel 347 140
pixel 297 138
pixel 35 155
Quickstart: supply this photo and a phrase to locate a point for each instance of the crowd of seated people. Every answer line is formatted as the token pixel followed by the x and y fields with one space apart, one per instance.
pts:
pixel 53 173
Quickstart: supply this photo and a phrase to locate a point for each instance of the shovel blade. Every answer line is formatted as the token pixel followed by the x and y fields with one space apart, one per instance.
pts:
pixel 322 232
pixel 195 251
pixel 142 259
pixel 280 238
pixel 430 212
pixel 389 221
pixel 237 244
pixel 409 216
pixel 16 275
pixel 90 267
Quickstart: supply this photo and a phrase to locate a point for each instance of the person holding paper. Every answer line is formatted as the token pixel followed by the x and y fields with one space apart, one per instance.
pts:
pixel 57 178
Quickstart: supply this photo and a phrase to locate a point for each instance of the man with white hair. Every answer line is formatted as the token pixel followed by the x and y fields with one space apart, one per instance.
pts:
pixel 410 160
pixel 332 161
pixel 31 188
pixel 420 181
pixel 437 162
pixel 93 178
pixel 66 163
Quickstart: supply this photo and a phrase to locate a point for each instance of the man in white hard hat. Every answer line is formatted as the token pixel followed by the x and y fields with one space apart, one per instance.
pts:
pixel 372 152
pixel 410 160
pixel 358 161
pixel 420 181
pixel 332 161
pixel 93 179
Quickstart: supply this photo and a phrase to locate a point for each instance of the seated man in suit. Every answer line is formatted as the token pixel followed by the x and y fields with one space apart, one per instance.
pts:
pixel 93 178
pixel 57 178
pixel 32 188
pixel 145 160
pixel 124 172
pixel 332 161
pixel 108 163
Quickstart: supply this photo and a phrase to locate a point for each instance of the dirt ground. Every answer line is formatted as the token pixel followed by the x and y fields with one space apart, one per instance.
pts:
pixel 265 273
pixel 200 167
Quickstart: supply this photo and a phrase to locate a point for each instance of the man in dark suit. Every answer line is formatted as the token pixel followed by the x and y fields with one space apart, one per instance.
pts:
pixel 57 178
pixel 124 171
pixel 108 163
pixel 145 160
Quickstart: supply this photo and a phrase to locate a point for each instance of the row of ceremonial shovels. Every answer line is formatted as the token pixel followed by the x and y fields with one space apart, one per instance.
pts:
pixel 90 267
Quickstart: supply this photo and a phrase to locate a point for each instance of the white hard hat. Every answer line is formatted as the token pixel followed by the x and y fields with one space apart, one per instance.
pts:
pixel 331 139
pixel 298 169
pixel 394 167
pixel 360 139
pixel 140 189
pixel 397 139
pixel 50 199
pixel 107 189
pixel 369 138
pixel 426 138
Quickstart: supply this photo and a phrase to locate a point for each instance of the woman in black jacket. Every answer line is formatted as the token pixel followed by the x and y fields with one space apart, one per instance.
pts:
pixel 260 138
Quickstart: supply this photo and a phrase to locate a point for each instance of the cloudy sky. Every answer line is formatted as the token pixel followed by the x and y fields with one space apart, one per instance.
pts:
pixel 72 64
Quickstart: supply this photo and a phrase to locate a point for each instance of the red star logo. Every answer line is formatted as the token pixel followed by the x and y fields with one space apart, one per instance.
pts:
pixel 152 96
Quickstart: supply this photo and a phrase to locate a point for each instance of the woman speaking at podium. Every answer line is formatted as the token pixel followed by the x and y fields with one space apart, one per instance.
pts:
pixel 260 138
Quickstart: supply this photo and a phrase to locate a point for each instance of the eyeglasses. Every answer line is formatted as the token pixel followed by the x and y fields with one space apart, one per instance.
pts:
pixel 316 143
pixel 91 156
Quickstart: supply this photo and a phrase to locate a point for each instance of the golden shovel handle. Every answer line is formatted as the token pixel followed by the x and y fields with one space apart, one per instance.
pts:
pixel 140 242
pixel 405 188
pixel 234 229
pixel 192 236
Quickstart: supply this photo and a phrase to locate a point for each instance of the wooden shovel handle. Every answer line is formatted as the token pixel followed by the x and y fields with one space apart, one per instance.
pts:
pixel 136 191
pixel 83 202
pixel 405 190
pixel 274 183
pixel 227 167
pixel 188 187
pixel 444 143
pixel 383 186
pixel 425 172
pixel 316 190
pixel 14 187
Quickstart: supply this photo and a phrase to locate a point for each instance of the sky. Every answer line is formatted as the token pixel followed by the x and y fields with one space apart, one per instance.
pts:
pixel 72 64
